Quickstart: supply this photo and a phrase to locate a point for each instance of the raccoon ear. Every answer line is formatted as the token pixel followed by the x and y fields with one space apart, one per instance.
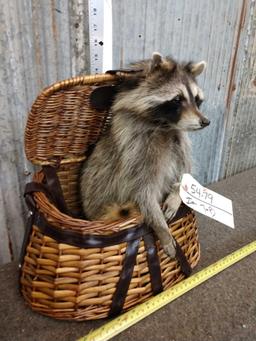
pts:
pixel 197 68
pixel 102 98
pixel 157 61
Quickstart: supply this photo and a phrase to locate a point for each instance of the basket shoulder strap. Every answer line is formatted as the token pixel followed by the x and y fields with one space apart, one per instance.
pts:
pixel 122 287
pixel 51 188
pixel 54 187
pixel 153 263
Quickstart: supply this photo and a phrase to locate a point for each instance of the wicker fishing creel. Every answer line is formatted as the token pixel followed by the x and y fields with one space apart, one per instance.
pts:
pixel 72 268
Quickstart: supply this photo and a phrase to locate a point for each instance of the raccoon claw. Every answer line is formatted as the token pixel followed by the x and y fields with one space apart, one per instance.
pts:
pixel 170 249
pixel 168 213
pixel 171 206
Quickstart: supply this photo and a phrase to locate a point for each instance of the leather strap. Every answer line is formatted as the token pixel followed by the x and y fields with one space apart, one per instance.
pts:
pixel 54 187
pixel 51 188
pixel 33 187
pixel 30 222
pixel 88 240
pixel 127 71
pixel 153 263
pixel 92 241
pixel 184 264
pixel 122 287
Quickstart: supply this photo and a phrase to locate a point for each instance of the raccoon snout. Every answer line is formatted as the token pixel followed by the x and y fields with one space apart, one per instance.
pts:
pixel 204 122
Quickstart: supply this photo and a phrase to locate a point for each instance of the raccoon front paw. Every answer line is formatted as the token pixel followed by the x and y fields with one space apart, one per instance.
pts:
pixel 170 249
pixel 169 213
pixel 171 206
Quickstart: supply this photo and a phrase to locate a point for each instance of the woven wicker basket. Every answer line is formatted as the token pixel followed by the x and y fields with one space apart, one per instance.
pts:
pixel 72 268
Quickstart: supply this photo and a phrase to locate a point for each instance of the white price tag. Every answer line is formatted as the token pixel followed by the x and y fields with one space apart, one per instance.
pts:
pixel 205 201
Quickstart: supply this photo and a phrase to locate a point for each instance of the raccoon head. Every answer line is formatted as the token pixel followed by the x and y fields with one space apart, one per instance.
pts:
pixel 164 93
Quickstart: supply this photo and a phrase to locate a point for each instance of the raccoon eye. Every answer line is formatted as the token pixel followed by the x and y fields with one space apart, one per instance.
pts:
pixel 177 98
pixel 198 101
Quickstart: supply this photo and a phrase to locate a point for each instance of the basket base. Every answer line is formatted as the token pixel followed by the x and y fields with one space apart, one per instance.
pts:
pixel 71 283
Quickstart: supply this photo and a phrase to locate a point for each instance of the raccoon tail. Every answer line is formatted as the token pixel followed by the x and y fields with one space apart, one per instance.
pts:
pixel 116 212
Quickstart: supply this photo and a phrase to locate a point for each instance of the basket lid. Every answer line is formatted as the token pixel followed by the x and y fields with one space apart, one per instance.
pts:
pixel 62 125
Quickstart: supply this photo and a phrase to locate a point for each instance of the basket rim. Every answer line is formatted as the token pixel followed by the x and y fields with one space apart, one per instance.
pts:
pixel 78 80
pixel 89 226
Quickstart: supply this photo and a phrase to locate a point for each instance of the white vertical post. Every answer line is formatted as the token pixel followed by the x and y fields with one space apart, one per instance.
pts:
pixel 100 31
pixel 107 50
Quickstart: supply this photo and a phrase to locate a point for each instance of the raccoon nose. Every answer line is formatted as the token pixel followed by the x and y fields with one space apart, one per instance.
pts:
pixel 205 122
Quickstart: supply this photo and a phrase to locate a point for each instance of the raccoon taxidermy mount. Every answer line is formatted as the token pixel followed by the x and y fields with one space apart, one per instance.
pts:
pixel 139 162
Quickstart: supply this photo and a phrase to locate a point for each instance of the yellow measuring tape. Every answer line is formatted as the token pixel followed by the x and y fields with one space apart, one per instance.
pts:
pixel 126 320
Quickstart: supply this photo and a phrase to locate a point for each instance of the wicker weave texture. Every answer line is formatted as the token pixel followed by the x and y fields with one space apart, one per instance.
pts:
pixel 61 124
pixel 68 282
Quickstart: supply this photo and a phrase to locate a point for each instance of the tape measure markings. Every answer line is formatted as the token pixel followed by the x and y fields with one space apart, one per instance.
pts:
pixel 96 22
pixel 143 310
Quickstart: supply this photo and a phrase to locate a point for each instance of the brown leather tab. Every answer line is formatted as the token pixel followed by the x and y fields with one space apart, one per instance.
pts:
pixel 102 97
pixel 122 287
pixel 33 187
pixel 184 264
pixel 153 263
pixel 51 188
pixel 131 71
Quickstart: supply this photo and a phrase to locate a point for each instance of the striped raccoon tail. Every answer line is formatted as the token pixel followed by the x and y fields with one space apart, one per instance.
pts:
pixel 114 212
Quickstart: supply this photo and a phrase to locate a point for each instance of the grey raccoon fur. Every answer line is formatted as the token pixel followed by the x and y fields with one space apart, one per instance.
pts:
pixel 146 150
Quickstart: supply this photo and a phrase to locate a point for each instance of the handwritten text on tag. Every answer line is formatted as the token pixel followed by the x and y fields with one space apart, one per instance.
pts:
pixel 205 201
